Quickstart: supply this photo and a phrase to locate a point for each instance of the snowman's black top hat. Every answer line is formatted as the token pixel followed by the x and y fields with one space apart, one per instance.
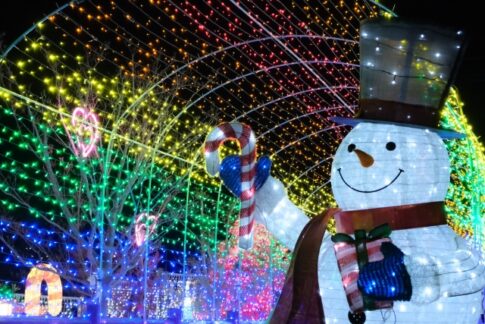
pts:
pixel 406 71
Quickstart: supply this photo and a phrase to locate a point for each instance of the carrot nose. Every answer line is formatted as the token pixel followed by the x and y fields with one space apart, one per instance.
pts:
pixel 366 160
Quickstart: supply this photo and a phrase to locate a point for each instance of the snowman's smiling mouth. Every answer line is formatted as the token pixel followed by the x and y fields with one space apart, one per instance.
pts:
pixel 369 191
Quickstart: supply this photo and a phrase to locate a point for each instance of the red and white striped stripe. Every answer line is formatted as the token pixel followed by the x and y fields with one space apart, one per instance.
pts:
pixel 247 141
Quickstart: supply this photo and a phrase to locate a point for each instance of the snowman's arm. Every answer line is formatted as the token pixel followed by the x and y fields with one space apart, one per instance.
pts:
pixel 458 273
pixel 280 216
pixel 461 272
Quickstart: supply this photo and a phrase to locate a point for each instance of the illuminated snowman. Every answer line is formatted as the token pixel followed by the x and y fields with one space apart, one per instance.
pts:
pixel 390 173
pixel 402 173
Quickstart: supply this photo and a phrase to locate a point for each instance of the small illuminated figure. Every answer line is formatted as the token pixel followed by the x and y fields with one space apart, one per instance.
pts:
pixel 38 274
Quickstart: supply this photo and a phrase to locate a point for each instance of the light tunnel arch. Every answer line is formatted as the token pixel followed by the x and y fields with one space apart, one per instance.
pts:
pixel 314 112
pixel 260 106
pixel 292 36
pixel 273 38
pixel 291 95
pixel 199 59
pixel 262 135
pixel 240 77
pixel 187 107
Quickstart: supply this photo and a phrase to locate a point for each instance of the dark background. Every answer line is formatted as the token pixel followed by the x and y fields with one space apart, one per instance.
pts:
pixel 18 15
pixel 471 75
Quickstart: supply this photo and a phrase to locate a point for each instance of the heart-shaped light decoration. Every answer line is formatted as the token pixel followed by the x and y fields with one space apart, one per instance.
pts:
pixel 141 222
pixel 85 123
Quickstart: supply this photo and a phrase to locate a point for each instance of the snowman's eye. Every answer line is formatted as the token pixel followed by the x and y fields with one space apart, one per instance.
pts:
pixel 390 146
pixel 351 147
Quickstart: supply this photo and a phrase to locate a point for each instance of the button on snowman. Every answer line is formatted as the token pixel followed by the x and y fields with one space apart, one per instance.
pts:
pixel 394 259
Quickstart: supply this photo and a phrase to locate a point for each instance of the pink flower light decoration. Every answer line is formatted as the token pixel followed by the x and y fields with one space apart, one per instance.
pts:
pixel 87 135
pixel 141 222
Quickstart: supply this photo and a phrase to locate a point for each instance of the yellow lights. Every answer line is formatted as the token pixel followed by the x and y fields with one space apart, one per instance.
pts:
pixel 387 15
pixel 53 57
pixel 43 272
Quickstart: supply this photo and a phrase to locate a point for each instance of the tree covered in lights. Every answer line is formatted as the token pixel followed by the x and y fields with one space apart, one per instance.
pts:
pixel 83 155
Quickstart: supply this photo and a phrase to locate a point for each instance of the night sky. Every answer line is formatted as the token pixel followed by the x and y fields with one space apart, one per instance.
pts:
pixel 17 16
pixel 471 76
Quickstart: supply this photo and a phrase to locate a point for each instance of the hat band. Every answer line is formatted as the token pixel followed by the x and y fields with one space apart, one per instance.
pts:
pixel 398 112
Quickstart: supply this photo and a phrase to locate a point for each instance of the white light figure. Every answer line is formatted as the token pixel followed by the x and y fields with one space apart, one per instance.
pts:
pixel 6 308
pixel 401 172
pixel 392 160
pixel 444 273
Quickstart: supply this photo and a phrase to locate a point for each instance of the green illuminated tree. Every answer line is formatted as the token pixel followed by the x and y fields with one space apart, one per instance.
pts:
pixel 86 190
pixel 465 201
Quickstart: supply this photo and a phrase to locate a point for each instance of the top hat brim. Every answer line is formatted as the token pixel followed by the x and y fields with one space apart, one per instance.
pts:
pixel 443 133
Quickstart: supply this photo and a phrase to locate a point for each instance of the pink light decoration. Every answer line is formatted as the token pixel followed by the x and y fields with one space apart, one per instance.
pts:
pixel 141 222
pixel 84 122
pixel 250 274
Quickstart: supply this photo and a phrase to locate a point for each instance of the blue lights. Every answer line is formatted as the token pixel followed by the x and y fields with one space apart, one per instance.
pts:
pixel 387 279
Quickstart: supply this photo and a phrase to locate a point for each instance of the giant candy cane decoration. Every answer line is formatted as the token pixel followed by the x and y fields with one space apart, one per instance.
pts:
pixel 244 135
pixel 43 272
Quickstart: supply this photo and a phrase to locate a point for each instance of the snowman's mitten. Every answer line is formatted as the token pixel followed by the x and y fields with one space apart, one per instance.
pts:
pixel 423 272
pixel 459 272
pixel 387 279
pixel 230 173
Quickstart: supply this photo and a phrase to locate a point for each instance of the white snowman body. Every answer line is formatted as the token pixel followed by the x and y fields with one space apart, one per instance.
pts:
pixel 382 165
